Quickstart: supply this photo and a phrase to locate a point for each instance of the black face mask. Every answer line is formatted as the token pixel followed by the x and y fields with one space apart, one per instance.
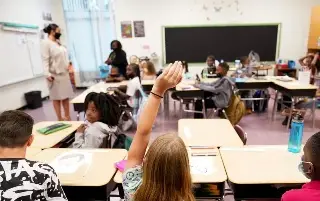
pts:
pixel 219 75
pixel 57 35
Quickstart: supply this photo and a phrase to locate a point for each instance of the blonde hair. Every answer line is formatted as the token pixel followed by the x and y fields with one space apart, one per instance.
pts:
pixel 134 59
pixel 166 172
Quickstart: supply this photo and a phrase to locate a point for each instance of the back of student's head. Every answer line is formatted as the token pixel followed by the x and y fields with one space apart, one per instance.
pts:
pixel 313 150
pixel 224 66
pixel 151 70
pixel 166 171
pixel 244 60
pixel 102 107
pixel 15 128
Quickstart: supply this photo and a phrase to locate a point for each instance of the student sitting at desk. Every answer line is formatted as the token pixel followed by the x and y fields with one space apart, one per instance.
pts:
pixel 211 67
pixel 164 172
pixel 220 91
pixel 310 62
pixel 22 179
pixel 241 72
pixel 114 75
pixel 102 114
pixel 149 71
pixel 310 167
pixel 187 75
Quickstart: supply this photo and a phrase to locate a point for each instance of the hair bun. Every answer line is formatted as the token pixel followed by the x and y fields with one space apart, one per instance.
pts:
pixel 45 30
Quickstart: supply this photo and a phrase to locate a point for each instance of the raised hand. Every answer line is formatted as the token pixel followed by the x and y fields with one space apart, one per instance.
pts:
pixel 171 76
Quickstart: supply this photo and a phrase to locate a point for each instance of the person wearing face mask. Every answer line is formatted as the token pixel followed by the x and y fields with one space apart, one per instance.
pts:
pixel 310 167
pixel 55 61
pixel 118 57
pixel 219 92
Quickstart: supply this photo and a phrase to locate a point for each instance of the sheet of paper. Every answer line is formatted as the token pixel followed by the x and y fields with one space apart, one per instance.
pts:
pixel 69 162
pixel 304 77
pixel 203 165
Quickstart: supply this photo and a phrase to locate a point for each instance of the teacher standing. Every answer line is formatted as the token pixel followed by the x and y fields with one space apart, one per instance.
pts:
pixel 118 57
pixel 55 60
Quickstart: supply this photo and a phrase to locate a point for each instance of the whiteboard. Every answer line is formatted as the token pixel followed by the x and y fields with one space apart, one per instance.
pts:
pixel 20 56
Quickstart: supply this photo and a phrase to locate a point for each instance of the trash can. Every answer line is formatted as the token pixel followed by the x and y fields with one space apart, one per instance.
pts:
pixel 33 99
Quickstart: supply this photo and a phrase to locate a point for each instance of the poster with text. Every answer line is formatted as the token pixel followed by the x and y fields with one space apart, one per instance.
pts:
pixel 126 29
pixel 139 28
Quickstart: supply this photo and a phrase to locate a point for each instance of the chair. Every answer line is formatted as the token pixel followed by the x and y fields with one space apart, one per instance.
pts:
pixel 242 134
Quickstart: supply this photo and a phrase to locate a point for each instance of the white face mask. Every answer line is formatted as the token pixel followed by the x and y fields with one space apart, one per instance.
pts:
pixel 302 170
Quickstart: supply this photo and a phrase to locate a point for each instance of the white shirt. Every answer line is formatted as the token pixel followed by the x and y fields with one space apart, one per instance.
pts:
pixel 133 86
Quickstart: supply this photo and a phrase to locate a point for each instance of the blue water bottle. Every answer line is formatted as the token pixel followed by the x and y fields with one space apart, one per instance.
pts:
pixel 296 133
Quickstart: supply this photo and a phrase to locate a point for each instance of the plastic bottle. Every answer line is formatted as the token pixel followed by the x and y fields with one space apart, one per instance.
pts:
pixel 296 133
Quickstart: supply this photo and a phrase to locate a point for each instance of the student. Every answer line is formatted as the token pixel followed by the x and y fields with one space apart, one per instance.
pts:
pixel 133 86
pixel 220 91
pixel 149 71
pixel 244 71
pixel 114 75
pixel 310 167
pixel 102 115
pixel 310 63
pixel 134 60
pixel 22 179
pixel 163 173
pixel 187 75
pixel 211 67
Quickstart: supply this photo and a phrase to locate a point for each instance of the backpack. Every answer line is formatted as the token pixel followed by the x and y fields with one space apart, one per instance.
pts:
pixel 122 142
pixel 236 109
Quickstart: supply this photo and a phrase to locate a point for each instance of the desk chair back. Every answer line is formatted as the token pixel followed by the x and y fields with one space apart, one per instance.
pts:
pixel 242 134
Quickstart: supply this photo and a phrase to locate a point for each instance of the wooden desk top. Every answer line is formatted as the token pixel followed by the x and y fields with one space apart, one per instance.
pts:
pixel 200 174
pixel 32 152
pixel 294 85
pixel 48 141
pixel 262 165
pixel 208 133
pixel 97 172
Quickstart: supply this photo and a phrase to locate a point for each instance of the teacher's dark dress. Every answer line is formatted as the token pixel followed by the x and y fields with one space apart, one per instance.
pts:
pixel 119 60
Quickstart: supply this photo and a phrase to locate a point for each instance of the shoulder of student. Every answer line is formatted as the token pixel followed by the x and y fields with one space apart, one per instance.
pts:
pixel 104 128
pixel 41 167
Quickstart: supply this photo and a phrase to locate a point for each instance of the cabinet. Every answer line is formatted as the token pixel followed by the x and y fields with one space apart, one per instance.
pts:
pixel 314 33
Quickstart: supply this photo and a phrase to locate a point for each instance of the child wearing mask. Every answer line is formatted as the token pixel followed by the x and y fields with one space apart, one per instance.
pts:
pixel 163 173
pixel 310 167
pixel 220 91
pixel 114 75
pixel 211 67
pixel 102 115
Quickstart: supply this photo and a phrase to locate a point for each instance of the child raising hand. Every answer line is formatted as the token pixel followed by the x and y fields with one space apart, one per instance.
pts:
pixel 163 174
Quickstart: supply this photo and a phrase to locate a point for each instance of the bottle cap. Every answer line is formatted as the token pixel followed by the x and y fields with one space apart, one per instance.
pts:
pixel 298 116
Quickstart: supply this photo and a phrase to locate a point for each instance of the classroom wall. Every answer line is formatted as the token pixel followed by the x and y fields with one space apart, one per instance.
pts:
pixel 293 14
pixel 28 12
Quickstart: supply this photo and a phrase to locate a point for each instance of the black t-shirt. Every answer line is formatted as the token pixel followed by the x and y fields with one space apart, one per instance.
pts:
pixel 25 180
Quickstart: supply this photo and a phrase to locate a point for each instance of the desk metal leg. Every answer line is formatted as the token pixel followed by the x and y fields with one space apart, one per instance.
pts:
pixel 166 104
pixel 313 113
pixel 291 111
pixel 204 109
pixel 275 105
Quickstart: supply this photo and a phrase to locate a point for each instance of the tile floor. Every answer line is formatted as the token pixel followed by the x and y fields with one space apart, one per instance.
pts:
pixel 260 129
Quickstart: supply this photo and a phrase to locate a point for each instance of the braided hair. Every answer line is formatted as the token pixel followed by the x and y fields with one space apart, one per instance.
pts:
pixel 107 105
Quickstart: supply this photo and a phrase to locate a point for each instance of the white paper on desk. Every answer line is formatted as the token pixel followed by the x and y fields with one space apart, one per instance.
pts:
pixel 202 165
pixel 69 162
pixel 304 77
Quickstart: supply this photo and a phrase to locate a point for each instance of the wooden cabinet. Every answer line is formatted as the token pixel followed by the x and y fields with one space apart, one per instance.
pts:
pixel 314 33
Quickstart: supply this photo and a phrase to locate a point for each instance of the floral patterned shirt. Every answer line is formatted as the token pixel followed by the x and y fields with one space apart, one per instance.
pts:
pixel 131 181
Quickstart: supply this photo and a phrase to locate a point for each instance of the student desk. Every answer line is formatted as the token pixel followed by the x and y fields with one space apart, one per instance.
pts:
pixel 208 179
pixel 295 90
pixel 47 141
pixel 89 180
pixel 32 152
pixel 208 133
pixel 254 171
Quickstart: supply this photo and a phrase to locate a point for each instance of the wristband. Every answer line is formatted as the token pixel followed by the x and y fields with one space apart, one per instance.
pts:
pixel 156 95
